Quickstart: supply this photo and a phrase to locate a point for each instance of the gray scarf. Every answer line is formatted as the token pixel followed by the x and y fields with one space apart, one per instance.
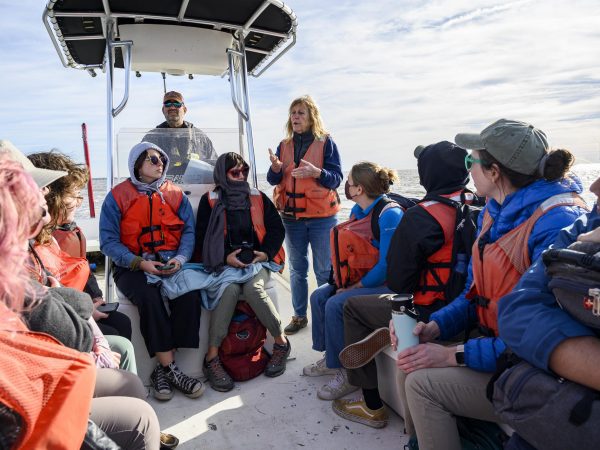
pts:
pixel 232 196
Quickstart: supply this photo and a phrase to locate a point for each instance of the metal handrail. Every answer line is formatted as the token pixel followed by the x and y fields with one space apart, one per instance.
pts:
pixel 126 48
pixel 233 82
pixel 279 55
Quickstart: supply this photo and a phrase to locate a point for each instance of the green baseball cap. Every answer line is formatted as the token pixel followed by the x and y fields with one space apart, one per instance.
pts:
pixel 518 146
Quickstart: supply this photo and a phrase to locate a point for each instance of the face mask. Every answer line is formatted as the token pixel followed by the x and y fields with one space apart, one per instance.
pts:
pixel 347 191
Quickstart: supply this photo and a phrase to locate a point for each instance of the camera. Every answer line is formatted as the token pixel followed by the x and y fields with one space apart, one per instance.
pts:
pixel 246 256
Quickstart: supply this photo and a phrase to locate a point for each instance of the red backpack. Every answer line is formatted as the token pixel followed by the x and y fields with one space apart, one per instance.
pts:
pixel 241 352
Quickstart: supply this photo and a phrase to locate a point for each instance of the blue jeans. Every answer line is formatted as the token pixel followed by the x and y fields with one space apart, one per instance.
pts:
pixel 298 234
pixel 328 319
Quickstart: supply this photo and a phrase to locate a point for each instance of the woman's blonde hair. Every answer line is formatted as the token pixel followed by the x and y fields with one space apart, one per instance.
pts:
pixel 373 178
pixel 314 118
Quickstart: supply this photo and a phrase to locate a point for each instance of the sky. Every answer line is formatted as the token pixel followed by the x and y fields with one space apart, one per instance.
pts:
pixel 387 75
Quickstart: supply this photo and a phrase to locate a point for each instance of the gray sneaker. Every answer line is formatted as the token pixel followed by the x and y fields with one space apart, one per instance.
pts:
pixel 318 369
pixel 295 325
pixel 218 378
pixel 337 387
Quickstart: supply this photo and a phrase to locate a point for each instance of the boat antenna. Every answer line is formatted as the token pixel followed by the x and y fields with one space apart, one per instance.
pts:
pixel 164 75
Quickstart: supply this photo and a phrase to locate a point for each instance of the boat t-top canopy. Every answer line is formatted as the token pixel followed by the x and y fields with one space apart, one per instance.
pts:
pixel 175 37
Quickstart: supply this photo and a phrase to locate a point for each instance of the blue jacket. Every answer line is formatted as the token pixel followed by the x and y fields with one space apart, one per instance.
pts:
pixel 531 322
pixel 388 221
pixel 481 354
pixel 110 233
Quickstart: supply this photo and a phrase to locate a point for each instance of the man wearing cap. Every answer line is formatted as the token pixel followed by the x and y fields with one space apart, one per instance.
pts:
pixel 179 138
pixel 421 235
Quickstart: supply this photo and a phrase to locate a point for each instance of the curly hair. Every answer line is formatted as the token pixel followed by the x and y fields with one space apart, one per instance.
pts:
pixel 314 118
pixel 76 178
pixel 20 198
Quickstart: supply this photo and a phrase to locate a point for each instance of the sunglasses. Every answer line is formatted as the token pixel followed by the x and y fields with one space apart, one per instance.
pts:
pixel 175 104
pixel 155 159
pixel 469 161
pixel 237 172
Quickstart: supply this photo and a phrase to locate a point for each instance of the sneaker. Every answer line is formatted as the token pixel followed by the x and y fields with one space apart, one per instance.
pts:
pixel 168 441
pixel 318 369
pixel 296 324
pixel 276 365
pixel 191 387
pixel 360 353
pixel 357 411
pixel 160 384
pixel 218 378
pixel 337 387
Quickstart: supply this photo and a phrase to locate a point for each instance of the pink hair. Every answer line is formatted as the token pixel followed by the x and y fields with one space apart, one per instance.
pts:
pixel 20 202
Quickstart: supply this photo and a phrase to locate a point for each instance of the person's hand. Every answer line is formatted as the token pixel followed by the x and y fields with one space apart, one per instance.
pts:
pixel 53 282
pixel 233 261
pixel 151 267
pixel 276 164
pixel 427 332
pixel 591 236
pixel 116 358
pixel 306 170
pixel 97 315
pixel 174 262
pixel 423 356
pixel 260 257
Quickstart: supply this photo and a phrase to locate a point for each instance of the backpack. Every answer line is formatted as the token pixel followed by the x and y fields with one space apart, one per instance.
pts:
pixel 241 352
pixel 402 201
pixel 465 233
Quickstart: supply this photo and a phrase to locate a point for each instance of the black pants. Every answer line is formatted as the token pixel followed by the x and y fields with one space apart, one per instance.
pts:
pixel 162 332
pixel 117 324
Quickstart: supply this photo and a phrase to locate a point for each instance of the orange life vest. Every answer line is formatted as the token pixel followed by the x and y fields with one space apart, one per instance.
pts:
pixel 257 215
pixel 433 280
pixel 352 251
pixel 148 224
pixel 304 197
pixel 505 261
pixel 70 271
pixel 71 241
pixel 48 385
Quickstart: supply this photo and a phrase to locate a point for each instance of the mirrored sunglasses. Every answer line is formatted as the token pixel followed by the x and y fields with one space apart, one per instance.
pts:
pixel 175 104
pixel 155 159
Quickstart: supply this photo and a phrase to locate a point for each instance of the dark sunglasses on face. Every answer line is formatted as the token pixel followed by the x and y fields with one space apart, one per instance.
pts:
pixel 175 104
pixel 237 172
pixel 155 159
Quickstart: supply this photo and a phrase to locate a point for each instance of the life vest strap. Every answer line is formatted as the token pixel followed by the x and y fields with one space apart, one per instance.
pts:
pixel 486 331
pixel 480 300
pixel 150 229
pixel 295 194
pixel 289 209
pixel 154 244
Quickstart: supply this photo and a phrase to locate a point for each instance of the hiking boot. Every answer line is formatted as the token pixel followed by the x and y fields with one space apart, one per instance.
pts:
pixel 357 411
pixel 276 365
pixel 191 387
pixel 168 441
pixel 296 324
pixel 318 369
pixel 337 387
pixel 218 378
pixel 160 384
pixel 360 353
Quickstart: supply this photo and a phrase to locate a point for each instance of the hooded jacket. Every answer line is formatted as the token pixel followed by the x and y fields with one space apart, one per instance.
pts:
pixel 531 322
pixel 481 353
pixel 110 217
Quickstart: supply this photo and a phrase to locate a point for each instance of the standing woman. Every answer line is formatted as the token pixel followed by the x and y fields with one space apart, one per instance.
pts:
pixel 306 171
pixel 147 226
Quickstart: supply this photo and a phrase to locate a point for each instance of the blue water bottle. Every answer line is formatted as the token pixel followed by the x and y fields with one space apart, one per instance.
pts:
pixel 404 318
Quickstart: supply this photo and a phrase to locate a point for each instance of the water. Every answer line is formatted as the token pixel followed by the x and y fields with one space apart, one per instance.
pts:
pixel 408 186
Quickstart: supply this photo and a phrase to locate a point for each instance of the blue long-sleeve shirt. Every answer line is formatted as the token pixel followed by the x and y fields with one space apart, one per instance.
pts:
pixel 481 353
pixel 110 233
pixel 331 173
pixel 388 221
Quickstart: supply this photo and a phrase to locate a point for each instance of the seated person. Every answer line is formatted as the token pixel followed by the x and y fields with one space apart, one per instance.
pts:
pixel 238 226
pixel 425 236
pixel 147 226
pixel 360 247
pixel 530 198
pixel 63 202
pixel 179 138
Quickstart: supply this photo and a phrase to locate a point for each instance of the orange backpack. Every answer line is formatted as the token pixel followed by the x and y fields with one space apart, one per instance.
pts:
pixel 49 386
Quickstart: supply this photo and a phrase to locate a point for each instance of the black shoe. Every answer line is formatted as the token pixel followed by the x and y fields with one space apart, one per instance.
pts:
pixel 168 441
pixel 218 378
pixel 160 384
pixel 191 387
pixel 276 365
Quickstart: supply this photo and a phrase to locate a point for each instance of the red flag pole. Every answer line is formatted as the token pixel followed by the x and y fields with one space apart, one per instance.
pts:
pixel 86 152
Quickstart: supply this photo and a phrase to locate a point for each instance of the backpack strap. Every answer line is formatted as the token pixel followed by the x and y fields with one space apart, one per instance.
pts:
pixel 380 207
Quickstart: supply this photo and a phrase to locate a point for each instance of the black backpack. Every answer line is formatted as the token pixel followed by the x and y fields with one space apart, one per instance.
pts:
pixel 402 201
pixel 465 233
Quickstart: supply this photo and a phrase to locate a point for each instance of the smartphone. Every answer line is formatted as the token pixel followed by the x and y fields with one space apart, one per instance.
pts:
pixel 166 267
pixel 108 307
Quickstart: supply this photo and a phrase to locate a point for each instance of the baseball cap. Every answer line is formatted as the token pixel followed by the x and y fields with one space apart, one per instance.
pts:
pixel 42 177
pixel 173 95
pixel 518 146
pixel 418 150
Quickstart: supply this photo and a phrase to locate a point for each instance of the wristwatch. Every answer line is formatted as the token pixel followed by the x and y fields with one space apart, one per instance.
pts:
pixel 460 355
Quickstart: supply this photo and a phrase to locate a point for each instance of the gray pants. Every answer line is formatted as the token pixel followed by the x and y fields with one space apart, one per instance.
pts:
pixel 255 294
pixel 120 410
pixel 433 399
